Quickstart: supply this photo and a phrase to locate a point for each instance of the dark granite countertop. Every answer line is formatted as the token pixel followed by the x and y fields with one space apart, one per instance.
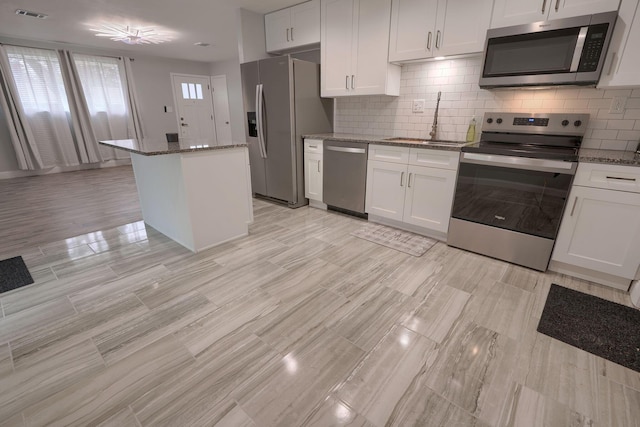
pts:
pixel 155 146
pixel 614 157
pixel 383 140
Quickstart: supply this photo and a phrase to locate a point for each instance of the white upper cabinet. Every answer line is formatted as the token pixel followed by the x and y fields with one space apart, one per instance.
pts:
pixel 516 12
pixel 354 41
pixel 428 28
pixel 569 8
pixel 293 27
pixel 623 59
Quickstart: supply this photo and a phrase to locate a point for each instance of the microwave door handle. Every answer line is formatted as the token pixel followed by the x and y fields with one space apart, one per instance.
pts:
pixel 577 53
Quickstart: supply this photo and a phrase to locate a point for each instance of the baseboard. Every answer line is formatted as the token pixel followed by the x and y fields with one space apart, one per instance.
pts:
pixel 408 227
pixel 590 275
pixel 316 204
pixel 60 169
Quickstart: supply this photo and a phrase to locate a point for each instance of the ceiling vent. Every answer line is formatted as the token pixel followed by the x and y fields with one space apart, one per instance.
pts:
pixel 31 14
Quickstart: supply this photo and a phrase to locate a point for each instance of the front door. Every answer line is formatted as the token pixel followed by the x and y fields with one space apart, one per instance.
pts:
pixel 194 107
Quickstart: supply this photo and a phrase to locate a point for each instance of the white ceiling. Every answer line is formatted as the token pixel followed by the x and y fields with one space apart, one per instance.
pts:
pixel 209 21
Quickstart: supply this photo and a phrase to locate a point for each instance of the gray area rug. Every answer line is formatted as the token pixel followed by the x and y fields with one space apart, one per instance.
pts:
pixel 402 241
pixel 14 274
pixel 601 327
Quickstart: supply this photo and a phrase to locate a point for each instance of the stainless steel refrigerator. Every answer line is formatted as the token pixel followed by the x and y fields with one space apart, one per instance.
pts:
pixel 282 102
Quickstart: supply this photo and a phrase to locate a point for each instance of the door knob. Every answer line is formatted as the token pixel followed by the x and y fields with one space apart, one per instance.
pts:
pixel 184 124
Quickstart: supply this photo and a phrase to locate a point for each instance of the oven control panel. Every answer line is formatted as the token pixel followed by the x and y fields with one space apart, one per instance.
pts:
pixel 536 123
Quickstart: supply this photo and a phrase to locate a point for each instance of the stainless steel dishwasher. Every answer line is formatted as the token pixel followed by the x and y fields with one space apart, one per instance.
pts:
pixel 345 175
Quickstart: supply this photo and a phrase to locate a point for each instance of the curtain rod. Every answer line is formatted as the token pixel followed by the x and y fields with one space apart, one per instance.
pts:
pixel 91 54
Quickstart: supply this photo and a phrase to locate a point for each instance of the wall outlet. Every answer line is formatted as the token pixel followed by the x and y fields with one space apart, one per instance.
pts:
pixel 617 105
pixel 418 106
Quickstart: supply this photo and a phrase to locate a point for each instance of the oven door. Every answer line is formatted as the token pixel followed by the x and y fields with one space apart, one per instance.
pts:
pixel 514 193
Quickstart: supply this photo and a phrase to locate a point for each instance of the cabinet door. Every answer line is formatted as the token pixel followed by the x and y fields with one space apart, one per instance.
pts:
pixel 568 8
pixel 623 59
pixel 601 231
pixel 516 12
pixel 277 28
pixel 336 21
pixel 313 176
pixel 429 197
pixel 371 42
pixel 413 23
pixel 386 184
pixel 305 23
pixel 462 26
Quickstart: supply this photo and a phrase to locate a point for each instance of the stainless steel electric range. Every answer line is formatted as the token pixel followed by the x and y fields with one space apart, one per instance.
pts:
pixel 513 186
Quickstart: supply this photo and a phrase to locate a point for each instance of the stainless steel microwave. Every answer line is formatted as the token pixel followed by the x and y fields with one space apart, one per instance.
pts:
pixel 568 51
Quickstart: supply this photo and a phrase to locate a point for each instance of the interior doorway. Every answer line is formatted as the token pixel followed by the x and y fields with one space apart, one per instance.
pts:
pixel 221 109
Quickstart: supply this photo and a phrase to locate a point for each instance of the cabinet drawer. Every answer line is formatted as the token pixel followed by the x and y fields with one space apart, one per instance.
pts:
pixel 313 146
pixel 389 153
pixel 612 177
pixel 434 158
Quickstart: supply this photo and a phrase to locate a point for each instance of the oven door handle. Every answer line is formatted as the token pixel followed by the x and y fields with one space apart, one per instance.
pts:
pixel 526 163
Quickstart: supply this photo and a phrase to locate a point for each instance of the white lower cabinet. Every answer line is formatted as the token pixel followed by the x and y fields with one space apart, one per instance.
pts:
pixel 313 170
pixel 600 230
pixel 429 197
pixel 385 189
pixel 403 191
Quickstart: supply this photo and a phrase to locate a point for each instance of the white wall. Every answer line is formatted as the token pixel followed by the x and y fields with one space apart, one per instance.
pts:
pixel 462 99
pixel 251 38
pixel 153 84
pixel 231 69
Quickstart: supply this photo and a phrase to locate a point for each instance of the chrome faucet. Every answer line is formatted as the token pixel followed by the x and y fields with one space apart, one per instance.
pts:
pixel 434 127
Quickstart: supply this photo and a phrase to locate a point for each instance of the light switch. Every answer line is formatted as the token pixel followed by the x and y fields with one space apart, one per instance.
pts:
pixel 168 109
pixel 418 106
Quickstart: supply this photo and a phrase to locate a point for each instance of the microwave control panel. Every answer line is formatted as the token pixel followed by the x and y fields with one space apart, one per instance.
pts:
pixel 593 47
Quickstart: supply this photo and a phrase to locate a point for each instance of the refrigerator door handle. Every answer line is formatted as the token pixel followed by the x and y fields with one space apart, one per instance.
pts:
pixel 260 119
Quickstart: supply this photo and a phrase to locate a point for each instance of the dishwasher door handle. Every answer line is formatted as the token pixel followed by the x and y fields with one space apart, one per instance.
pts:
pixel 346 149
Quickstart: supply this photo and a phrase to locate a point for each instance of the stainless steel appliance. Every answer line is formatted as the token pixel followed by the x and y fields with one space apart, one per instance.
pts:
pixel 344 175
pixel 568 51
pixel 282 102
pixel 513 185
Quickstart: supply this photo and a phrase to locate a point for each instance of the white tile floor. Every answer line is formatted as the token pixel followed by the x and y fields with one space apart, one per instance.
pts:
pixel 297 324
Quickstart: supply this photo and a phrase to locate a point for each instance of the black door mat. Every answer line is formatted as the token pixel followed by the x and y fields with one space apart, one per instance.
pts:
pixel 601 327
pixel 14 274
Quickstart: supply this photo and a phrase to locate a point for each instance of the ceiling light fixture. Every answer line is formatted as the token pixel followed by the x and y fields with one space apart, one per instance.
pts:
pixel 23 12
pixel 131 35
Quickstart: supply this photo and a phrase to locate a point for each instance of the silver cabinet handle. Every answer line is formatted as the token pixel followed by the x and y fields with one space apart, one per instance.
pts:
pixel 544 6
pixel 313 146
pixel 438 40
pixel 621 178
pixel 557 5
pixel 291 33
pixel 409 182
pixel 353 81
pixel 346 82
pixel 401 179
pixel 287 34
pixel 575 201
pixel 319 166
pixel 429 40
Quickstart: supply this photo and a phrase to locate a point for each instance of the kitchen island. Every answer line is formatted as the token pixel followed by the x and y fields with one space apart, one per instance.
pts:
pixel 192 191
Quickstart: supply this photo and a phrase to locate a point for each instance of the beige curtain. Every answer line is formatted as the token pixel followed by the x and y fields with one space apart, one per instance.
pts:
pixel 85 138
pixel 22 137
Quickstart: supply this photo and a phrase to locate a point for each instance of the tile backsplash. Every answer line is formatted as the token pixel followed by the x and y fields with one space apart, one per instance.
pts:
pixel 462 99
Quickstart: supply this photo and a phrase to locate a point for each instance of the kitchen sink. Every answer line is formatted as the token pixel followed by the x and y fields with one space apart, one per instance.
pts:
pixel 424 141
